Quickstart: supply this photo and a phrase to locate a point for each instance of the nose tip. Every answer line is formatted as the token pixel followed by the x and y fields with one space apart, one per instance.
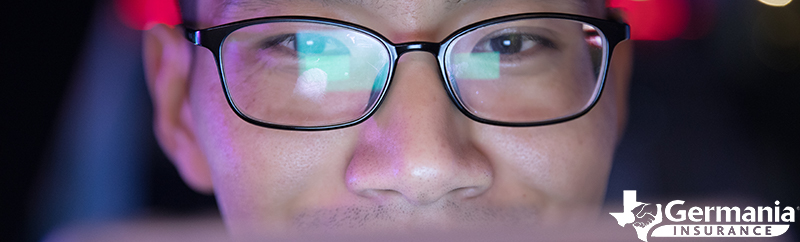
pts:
pixel 419 180
pixel 419 163
pixel 423 185
pixel 417 146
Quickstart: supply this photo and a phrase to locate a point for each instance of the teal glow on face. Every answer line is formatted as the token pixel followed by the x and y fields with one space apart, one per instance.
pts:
pixel 485 65
pixel 325 53
pixel 341 60
pixel 336 66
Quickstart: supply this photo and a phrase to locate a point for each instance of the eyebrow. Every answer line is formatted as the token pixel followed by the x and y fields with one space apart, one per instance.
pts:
pixel 254 5
pixel 229 3
pixel 250 3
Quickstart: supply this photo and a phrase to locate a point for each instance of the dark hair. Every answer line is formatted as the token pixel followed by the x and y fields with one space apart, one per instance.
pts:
pixel 188 9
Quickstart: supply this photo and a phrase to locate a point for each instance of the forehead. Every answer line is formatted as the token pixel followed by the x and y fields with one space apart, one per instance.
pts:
pixel 230 8
pixel 380 3
pixel 398 20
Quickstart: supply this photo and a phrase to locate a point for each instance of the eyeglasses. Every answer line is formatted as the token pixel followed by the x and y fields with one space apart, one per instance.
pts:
pixel 309 73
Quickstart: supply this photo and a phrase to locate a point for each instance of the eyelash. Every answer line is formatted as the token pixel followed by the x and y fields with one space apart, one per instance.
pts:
pixel 285 41
pixel 285 45
pixel 539 42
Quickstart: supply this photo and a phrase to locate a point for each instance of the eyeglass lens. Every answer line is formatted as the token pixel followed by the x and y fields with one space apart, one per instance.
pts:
pixel 526 70
pixel 316 74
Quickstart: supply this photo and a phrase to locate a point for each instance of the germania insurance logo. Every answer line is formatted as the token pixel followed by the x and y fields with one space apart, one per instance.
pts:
pixel 708 221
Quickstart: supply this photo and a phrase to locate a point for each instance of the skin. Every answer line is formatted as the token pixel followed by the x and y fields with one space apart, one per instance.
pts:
pixel 417 163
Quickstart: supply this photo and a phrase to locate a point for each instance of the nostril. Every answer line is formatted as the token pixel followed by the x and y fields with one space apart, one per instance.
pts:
pixel 431 196
pixel 381 194
pixel 469 192
pixel 418 194
pixel 419 184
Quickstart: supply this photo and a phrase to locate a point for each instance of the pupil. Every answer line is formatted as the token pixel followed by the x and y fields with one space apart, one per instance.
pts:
pixel 507 44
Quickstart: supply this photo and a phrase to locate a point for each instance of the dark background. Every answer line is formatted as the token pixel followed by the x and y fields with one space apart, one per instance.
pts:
pixel 710 117
pixel 50 50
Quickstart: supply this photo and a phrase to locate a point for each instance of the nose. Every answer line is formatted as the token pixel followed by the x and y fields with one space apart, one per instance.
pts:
pixel 417 146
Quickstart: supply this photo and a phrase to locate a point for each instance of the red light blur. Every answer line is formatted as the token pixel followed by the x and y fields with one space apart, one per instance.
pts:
pixel 143 14
pixel 654 19
pixel 649 19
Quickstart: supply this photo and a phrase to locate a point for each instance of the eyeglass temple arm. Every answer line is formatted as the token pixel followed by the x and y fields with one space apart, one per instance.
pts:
pixel 617 15
pixel 192 35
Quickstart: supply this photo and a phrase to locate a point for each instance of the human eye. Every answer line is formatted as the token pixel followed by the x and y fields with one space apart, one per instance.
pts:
pixel 513 43
pixel 280 44
pixel 305 43
pixel 318 44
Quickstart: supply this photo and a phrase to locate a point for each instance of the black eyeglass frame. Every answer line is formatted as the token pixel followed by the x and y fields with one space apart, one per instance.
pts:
pixel 213 37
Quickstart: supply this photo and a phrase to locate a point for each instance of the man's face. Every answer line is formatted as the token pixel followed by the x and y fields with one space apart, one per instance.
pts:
pixel 418 162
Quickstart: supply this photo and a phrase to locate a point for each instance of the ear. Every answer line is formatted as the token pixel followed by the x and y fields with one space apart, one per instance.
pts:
pixel 167 57
pixel 620 72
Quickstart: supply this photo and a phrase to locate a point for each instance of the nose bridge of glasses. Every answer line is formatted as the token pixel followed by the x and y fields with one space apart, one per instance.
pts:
pixel 429 47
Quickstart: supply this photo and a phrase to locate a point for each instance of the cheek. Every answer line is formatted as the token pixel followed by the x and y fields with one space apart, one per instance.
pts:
pixel 259 174
pixel 562 165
